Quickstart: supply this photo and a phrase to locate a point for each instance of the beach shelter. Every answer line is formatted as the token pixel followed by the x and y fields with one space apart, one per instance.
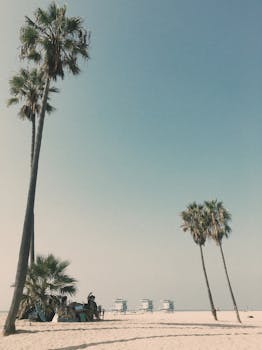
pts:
pixel 120 305
pixel 146 305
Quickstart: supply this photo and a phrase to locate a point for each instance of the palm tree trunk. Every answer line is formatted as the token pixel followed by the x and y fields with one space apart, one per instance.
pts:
pixel 33 139
pixel 32 242
pixel 213 310
pixel 229 284
pixel 9 326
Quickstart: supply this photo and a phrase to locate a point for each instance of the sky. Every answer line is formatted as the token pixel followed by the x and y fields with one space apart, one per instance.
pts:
pixel 167 111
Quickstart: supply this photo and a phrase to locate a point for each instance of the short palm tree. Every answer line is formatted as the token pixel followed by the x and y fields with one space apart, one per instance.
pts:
pixel 46 282
pixel 219 228
pixel 27 87
pixel 55 42
pixel 194 221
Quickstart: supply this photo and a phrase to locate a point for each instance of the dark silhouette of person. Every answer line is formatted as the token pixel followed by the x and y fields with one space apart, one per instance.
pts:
pixel 92 307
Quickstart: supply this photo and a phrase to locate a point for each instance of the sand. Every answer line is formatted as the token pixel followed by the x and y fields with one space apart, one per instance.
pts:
pixel 154 331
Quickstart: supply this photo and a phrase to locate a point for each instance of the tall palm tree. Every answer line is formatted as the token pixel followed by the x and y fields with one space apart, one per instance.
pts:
pixel 219 228
pixel 46 282
pixel 56 42
pixel 194 221
pixel 27 87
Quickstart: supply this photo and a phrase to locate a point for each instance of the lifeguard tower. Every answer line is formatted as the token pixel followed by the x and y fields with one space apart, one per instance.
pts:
pixel 120 305
pixel 146 305
pixel 167 305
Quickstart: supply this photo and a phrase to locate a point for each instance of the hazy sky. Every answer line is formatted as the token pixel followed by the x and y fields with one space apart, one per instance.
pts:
pixel 167 111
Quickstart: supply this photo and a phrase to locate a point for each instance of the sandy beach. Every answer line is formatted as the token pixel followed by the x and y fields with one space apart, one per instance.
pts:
pixel 154 331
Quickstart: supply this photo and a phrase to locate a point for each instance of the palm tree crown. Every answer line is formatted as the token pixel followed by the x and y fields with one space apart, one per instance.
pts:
pixel 194 220
pixel 218 218
pixel 46 282
pixel 27 86
pixel 48 277
pixel 55 41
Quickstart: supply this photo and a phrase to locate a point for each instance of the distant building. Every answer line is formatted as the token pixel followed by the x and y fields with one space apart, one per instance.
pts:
pixel 146 305
pixel 167 305
pixel 120 305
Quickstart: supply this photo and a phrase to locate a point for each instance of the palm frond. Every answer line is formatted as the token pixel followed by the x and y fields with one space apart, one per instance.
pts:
pixel 42 17
pixel 54 89
pixel 34 55
pixel 28 36
pixel 11 101
pixel 50 109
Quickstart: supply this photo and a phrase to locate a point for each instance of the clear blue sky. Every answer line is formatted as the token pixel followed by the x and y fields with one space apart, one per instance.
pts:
pixel 167 111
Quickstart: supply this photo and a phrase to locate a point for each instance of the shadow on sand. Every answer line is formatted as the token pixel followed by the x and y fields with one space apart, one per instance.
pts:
pixel 87 345
pixel 161 325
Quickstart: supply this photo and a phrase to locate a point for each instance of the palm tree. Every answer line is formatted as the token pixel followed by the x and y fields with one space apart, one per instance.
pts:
pixel 219 228
pixel 46 282
pixel 194 221
pixel 27 87
pixel 56 42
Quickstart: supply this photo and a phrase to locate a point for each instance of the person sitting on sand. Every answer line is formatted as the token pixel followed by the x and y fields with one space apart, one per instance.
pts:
pixel 92 307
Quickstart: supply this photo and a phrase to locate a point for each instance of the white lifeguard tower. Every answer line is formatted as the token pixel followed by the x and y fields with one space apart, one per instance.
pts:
pixel 120 305
pixel 146 305
pixel 167 305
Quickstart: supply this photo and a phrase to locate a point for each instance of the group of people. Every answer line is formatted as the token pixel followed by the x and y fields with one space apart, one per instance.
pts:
pixel 76 312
